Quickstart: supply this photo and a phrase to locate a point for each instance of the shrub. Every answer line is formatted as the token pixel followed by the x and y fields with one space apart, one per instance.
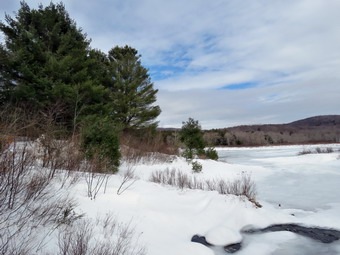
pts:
pixel 177 179
pixel 196 166
pixel 96 173
pixel 99 138
pixel 243 186
pixel 192 136
pixel 318 150
pixel 30 202
pixel 115 238
pixel 326 150
pixel 211 153
pixel 146 146
pixel 329 150
pixel 188 154
pixel 304 152
pixel 5 141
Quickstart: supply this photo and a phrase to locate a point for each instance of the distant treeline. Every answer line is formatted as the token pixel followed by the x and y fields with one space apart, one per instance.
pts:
pixel 320 129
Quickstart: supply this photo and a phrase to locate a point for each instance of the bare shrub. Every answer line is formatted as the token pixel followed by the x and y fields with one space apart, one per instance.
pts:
pixel 72 155
pixel 137 156
pixel 97 171
pixel 243 186
pixel 29 201
pixel 329 150
pixel 182 180
pixel 210 185
pixel 18 122
pixel 146 147
pixel 157 176
pixel 318 150
pixel 304 152
pixel 5 142
pixel 75 239
pixel 222 187
pixel 197 184
pixel 107 236
pixel 128 180
pixel 68 178
pixel 58 154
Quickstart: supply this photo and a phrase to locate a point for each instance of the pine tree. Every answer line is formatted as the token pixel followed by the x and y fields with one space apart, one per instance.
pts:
pixel 192 136
pixel 46 61
pixel 132 90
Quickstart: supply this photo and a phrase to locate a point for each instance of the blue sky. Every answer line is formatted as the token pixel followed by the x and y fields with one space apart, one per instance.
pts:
pixel 224 62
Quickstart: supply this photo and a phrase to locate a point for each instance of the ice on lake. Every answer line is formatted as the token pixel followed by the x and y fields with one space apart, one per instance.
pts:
pixel 308 185
pixel 305 182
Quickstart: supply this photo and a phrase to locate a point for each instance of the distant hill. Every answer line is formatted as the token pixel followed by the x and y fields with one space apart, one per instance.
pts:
pixel 318 129
pixel 324 120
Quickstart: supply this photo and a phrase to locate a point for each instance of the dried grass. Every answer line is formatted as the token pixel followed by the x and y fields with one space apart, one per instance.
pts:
pixel 243 186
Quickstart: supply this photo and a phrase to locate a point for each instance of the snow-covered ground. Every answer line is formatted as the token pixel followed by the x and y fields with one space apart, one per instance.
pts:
pixel 292 189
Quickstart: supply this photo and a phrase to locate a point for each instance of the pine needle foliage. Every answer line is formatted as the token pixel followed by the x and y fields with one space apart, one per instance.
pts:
pixel 132 90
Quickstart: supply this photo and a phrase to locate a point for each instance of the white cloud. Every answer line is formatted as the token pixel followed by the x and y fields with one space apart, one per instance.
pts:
pixel 279 103
pixel 289 48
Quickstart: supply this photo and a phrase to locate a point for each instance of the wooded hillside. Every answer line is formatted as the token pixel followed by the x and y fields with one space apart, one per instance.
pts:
pixel 317 129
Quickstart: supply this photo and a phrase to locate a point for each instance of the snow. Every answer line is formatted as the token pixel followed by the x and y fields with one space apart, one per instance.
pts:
pixel 222 235
pixel 167 217
pixel 292 189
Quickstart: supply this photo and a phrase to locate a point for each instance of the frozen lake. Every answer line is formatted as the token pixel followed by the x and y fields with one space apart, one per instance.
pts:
pixel 303 182
pixel 309 185
pixel 251 155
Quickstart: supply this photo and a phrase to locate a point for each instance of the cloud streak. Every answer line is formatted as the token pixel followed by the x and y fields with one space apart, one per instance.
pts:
pixel 286 51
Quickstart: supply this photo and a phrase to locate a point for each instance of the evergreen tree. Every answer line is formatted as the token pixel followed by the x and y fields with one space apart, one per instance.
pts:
pixel 192 136
pixel 132 90
pixel 99 139
pixel 46 60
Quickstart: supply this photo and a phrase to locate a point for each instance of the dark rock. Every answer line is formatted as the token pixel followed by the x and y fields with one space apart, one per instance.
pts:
pixel 228 248
pixel 200 239
pixel 320 234
pixel 231 248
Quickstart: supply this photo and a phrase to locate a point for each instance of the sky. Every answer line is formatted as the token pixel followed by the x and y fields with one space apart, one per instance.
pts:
pixel 224 62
